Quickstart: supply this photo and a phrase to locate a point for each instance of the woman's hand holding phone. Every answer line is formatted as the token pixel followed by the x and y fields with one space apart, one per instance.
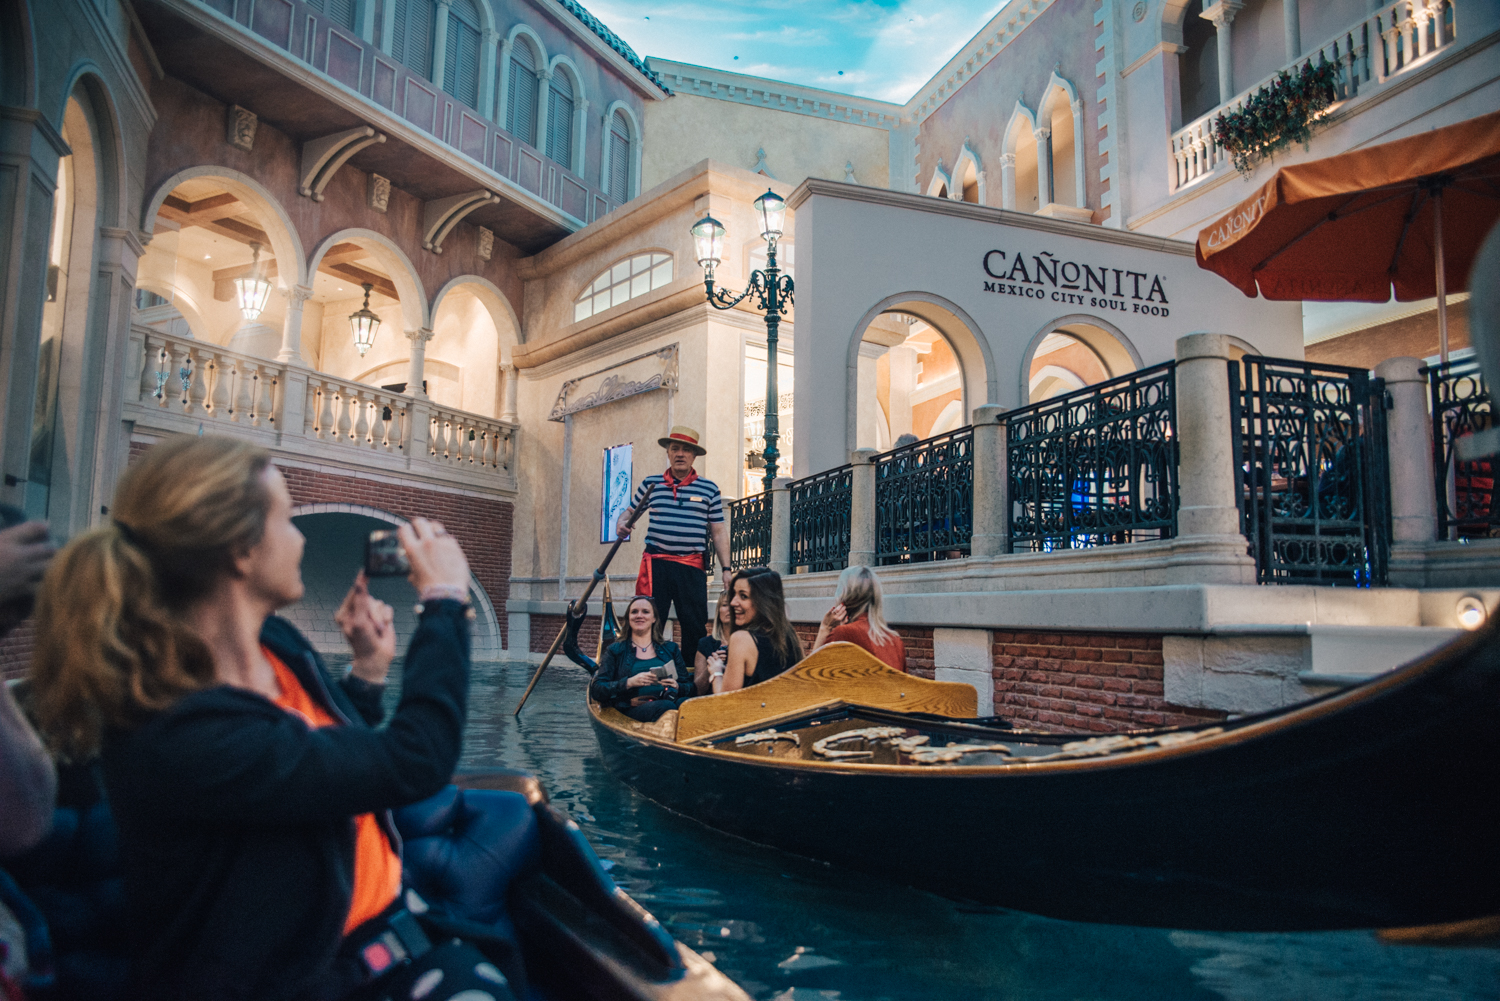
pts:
pixel 368 624
pixel 437 561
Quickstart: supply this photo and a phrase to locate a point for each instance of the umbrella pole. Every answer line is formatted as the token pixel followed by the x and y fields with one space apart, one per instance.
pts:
pixel 1442 288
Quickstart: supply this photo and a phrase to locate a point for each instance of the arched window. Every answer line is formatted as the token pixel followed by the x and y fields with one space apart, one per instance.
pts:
pixel 1198 67
pixel 560 119
pixel 411 34
pixel 632 277
pixel 461 63
pixel 619 157
pixel 341 12
pixel 520 114
pixel 1027 188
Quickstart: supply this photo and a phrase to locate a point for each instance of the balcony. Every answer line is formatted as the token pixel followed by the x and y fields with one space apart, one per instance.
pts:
pixel 309 77
pixel 180 385
pixel 1390 44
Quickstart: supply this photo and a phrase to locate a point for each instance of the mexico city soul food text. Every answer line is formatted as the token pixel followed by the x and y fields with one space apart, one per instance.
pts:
pixel 1072 282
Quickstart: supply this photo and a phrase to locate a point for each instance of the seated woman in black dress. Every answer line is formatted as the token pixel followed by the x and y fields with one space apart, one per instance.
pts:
pixel 714 646
pixel 763 643
pixel 643 675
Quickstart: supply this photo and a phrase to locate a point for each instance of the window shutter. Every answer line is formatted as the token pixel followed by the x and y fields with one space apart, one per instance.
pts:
pixel 560 120
pixel 619 158
pixel 521 115
pixel 340 12
pixel 461 68
pixel 413 35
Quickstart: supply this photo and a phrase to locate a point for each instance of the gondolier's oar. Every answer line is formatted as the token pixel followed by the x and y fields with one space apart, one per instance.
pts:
pixel 581 604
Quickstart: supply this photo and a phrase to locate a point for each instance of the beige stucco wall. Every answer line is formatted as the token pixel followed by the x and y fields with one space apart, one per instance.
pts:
pixel 687 128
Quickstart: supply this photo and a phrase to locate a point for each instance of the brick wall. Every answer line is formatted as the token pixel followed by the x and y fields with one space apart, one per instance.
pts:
pixel 1084 681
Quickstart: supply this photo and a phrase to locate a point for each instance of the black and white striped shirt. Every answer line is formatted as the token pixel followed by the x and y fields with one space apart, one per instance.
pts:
pixel 679 525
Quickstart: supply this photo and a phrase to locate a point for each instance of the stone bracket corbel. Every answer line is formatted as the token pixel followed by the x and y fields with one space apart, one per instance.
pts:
pixel 322 157
pixel 440 216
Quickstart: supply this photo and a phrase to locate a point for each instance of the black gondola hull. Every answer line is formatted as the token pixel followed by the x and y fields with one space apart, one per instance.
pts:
pixel 1365 810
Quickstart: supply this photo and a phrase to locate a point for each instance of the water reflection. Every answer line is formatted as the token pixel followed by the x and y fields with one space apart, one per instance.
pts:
pixel 794 930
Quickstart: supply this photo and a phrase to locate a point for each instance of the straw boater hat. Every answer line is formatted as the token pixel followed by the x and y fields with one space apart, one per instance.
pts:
pixel 683 435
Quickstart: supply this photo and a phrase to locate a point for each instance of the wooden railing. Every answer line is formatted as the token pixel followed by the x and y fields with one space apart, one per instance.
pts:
pixel 1369 53
pixel 178 384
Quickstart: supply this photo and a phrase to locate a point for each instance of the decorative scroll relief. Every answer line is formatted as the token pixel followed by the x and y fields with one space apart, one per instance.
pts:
pixel 641 374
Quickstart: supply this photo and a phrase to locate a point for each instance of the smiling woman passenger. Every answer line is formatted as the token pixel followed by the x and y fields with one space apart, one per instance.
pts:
pixel 763 643
pixel 643 675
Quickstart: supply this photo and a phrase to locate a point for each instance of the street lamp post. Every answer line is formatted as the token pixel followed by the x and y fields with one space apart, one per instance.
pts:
pixel 769 289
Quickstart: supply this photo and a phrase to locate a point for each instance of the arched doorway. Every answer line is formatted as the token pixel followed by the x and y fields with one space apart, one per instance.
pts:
pixel 474 332
pixel 341 266
pixel 334 553
pixel 1073 352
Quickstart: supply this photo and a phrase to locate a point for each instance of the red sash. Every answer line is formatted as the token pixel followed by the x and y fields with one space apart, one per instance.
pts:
pixel 643 578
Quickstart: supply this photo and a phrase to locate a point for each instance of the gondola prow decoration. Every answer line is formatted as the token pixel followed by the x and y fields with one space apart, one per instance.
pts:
pixel 579 607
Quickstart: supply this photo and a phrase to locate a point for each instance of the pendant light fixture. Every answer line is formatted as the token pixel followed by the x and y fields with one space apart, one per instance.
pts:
pixel 364 324
pixel 252 290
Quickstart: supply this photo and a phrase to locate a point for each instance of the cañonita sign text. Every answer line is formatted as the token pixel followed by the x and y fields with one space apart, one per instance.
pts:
pixel 1046 276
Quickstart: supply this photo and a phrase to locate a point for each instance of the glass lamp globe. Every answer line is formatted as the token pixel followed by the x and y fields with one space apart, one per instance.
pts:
pixel 771 208
pixel 708 242
pixel 252 291
pixel 364 325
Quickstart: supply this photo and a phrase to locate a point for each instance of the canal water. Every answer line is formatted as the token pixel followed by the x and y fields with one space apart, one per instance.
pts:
pixel 794 930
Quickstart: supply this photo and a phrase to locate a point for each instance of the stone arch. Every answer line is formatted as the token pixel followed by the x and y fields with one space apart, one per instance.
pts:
pixel 1019 185
pixel 182 301
pixel 403 274
pixel 976 362
pixel 1108 343
pixel 633 165
pixel 1062 111
pixel 941 185
pixel 286 244
pixel 482 390
pixel 968 164
pixel 328 558
pixel 86 85
pixel 1173 12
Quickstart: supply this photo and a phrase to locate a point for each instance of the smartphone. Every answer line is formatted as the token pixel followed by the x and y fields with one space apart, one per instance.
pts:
pixel 385 556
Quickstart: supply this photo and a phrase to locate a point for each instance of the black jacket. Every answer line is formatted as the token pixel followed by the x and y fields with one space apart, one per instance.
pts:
pixel 236 819
pixel 618 665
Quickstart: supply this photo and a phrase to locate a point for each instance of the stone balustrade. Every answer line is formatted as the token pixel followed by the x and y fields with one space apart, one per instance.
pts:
pixel 181 385
pixel 1389 42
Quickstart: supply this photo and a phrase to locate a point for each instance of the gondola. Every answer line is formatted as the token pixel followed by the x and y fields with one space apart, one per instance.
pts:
pixel 1371 807
pixel 494 861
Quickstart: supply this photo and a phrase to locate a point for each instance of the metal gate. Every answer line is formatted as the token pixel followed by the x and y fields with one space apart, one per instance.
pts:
pixel 1314 482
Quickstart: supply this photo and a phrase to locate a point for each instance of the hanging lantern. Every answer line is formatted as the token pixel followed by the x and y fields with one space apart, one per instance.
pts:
pixel 364 324
pixel 708 243
pixel 771 208
pixel 252 290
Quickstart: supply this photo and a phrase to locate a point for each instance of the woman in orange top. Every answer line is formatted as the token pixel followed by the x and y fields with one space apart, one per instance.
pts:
pixel 251 789
pixel 856 618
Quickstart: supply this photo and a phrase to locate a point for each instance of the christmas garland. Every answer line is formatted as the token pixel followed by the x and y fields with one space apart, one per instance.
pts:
pixel 1277 115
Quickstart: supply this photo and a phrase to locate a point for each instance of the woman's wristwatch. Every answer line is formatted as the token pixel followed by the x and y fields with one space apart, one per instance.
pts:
pixel 444 592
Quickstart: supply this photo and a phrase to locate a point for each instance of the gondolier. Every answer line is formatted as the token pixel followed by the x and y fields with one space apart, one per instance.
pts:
pixel 686 512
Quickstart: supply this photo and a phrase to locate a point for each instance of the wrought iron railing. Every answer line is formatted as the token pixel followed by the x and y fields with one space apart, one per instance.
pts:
pixel 750 531
pixel 820 520
pixel 1461 405
pixel 1096 467
pixel 1315 487
pixel 924 499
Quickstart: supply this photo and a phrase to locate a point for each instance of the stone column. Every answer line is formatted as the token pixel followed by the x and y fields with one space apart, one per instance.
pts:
pixel 781 526
pixel 488 39
pixel 417 370
pixel 508 401
pixel 991 484
pixel 440 43
pixel 903 383
pixel 291 328
pixel 1207 484
pixel 862 508
pixel 1007 180
pixel 387 26
pixel 868 410
pixel 1080 176
pixel 1292 24
pixel 502 69
pixel 544 90
pixel 1043 167
pixel 1222 15
pixel 1409 434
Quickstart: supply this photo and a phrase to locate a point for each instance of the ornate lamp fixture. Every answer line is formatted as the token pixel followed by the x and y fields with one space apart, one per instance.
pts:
pixel 770 289
pixel 364 325
pixel 252 291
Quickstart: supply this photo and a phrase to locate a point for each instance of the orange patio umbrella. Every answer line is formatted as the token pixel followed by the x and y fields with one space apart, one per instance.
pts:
pixel 1407 216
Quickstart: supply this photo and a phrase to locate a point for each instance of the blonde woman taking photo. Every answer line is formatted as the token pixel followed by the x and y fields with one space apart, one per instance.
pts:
pixel 856 617
pixel 250 788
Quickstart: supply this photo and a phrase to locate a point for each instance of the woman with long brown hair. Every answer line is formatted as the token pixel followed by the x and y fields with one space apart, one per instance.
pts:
pixel 642 675
pixel 763 643
pixel 251 791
